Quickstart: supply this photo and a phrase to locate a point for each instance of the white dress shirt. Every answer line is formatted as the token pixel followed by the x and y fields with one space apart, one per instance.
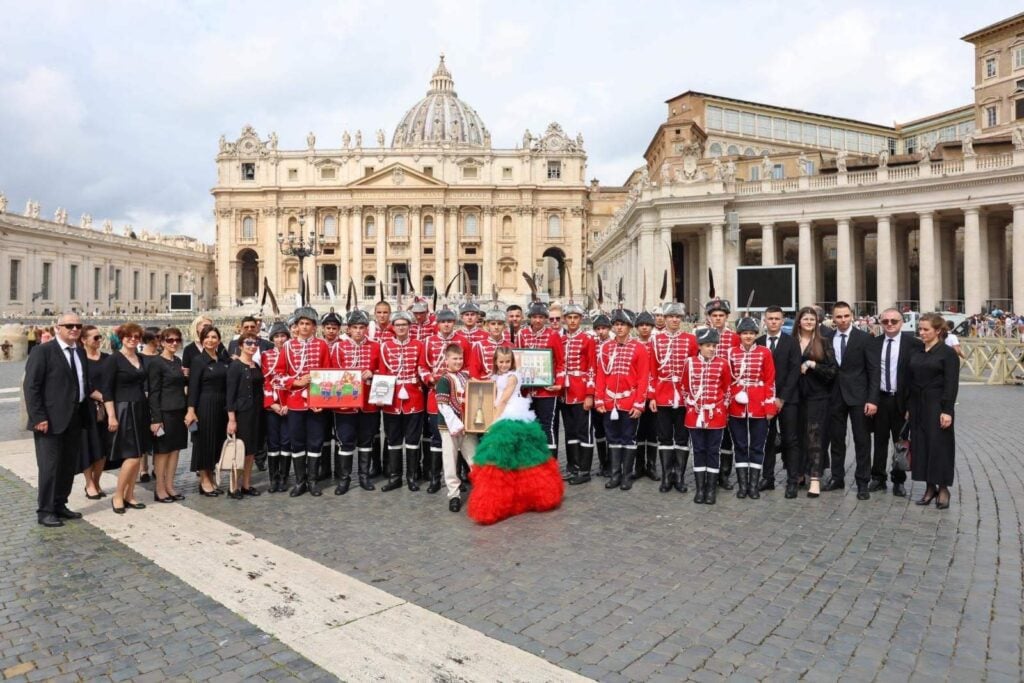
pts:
pixel 78 366
pixel 837 344
pixel 894 361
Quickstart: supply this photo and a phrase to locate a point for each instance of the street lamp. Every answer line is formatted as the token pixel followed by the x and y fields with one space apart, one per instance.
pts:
pixel 301 249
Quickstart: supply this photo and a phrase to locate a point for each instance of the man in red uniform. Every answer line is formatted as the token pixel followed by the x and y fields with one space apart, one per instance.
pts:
pixel 423 324
pixel 622 377
pixel 578 396
pixel 433 348
pixel 275 405
pixel 402 357
pixel 669 352
pixel 379 331
pixel 544 399
pixel 471 330
pixel 646 429
pixel 299 356
pixel 601 331
pixel 706 394
pixel 751 406
pixel 718 311
pixel 356 428
pixel 330 326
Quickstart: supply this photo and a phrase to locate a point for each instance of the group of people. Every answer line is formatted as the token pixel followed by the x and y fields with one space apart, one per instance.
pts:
pixel 636 390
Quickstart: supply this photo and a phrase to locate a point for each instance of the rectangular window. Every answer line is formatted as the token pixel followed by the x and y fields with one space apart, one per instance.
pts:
pixel 891 143
pixel 97 278
pixel 328 173
pixel 73 282
pixel 1018 58
pixel 755 172
pixel 778 172
pixel 764 126
pixel 135 284
pixel 249 171
pixel 991 116
pixel 45 289
pixel 117 283
pixel 367 171
pixel 778 128
pixel 554 170
pixel 293 174
pixel 469 172
pixel 990 67
pixel 747 120
pixel 910 144
pixel 1018 108
pixel 810 133
pixel 793 131
pixel 428 251
pixel 506 173
pixel 14 290
pixel 714 118
pixel 732 120
pixel 428 171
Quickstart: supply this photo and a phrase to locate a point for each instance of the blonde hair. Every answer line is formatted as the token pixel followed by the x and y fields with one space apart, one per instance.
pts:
pixel 198 324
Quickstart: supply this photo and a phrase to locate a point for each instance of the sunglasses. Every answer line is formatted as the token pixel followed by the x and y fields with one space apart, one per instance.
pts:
pixel 172 340
pixel 891 321
pixel 250 342
pixel 95 337
pixel 133 336
pixel 72 326
pixel 553 320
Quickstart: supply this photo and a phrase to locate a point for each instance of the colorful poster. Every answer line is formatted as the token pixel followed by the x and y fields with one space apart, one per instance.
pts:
pixel 535 366
pixel 336 389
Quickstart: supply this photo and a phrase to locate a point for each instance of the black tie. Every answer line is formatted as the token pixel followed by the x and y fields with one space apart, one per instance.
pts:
pixel 842 348
pixel 74 371
pixel 773 340
pixel 888 374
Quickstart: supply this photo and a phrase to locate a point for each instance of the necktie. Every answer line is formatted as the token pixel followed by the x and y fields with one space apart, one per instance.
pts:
pixel 888 373
pixel 842 348
pixel 773 340
pixel 74 371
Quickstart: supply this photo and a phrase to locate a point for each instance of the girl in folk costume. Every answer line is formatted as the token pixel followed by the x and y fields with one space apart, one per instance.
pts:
pixel 435 347
pixel 622 373
pixel 449 393
pixel 751 406
pixel 512 471
pixel 706 381
pixel 670 350
pixel 275 405
pixel 299 356
pixel 402 357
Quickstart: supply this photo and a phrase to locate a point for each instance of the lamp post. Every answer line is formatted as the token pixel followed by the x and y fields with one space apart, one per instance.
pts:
pixel 301 248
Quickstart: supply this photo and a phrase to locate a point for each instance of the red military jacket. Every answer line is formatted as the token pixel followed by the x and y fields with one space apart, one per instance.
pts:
pixel 421 332
pixel 706 392
pixel 481 358
pixel 271 393
pixel 471 336
pixel 547 338
pixel 404 361
pixel 433 359
pixel 753 372
pixel 622 375
pixel 668 358
pixel 379 334
pixel 298 358
pixel 579 366
pixel 365 355
pixel 727 339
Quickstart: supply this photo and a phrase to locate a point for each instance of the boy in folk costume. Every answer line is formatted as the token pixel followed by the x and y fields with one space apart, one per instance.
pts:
pixel 403 419
pixel 668 360
pixel 577 399
pixel 435 348
pixel 706 383
pixel 622 380
pixel 646 429
pixel 751 406
pixel 275 404
pixel 299 356
pixel 450 395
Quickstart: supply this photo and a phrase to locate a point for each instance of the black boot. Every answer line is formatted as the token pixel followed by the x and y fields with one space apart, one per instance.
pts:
pixel 754 483
pixel 572 461
pixel 312 467
pixel 586 462
pixel 272 472
pixel 682 459
pixel 462 469
pixel 710 488
pixel 742 473
pixel 651 470
pixel 699 479
pixel 364 470
pixel 412 467
pixel 435 472
pixel 628 458
pixel 667 456
pixel 394 468
pixel 283 468
pixel 301 485
pixel 424 459
pixel 261 459
pixel 375 466
pixel 327 455
pixel 603 467
pixel 725 472
pixel 615 465
pixel 343 472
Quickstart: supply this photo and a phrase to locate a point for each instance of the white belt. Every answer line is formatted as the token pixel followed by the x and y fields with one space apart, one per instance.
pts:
pixel 575 373
pixel 750 384
pixel 407 381
pixel 624 394
pixel 674 380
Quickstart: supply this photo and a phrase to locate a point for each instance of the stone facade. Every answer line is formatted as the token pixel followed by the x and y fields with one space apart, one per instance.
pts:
pixel 439 200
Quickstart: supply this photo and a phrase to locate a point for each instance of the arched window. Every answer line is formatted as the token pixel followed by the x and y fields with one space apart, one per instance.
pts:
pixel 554 225
pixel 398 225
pixel 715 150
pixel 371 228
pixel 469 225
pixel 506 227
pixel 330 226
pixel 733 150
pixel 428 226
pixel 369 287
pixel 748 152
pixel 248 228
pixel 428 285
pixel 293 224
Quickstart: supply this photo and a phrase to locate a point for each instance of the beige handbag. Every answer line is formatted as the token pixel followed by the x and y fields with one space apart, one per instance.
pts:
pixel 232 458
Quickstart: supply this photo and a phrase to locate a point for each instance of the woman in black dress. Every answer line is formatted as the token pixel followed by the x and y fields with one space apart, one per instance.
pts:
pixel 207 403
pixel 97 438
pixel 167 405
pixel 149 348
pixel 817 372
pixel 127 415
pixel 245 407
pixel 934 379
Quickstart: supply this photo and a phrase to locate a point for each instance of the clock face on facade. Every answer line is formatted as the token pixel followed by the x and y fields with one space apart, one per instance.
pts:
pixel 248 146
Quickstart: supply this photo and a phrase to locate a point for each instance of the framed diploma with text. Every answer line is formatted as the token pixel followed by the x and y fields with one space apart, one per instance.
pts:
pixel 336 389
pixel 536 367
pixel 479 406
pixel 382 390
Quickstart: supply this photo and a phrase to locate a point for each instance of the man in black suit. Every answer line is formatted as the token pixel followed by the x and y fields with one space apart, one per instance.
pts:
pixel 56 387
pixel 892 350
pixel 786 354
pixel 250 325
pixel 854 397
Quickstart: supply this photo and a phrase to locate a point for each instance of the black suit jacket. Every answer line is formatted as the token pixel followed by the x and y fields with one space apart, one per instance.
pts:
pixel 49 384
pixel 787 367
pixel 909 345
pixel 857 382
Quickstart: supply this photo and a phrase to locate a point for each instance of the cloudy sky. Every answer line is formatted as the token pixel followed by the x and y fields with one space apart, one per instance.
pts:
pixel 114 108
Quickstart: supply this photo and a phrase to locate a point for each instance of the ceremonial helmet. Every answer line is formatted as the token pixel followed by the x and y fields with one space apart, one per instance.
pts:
pixel 674 308
pixel 446 315
pixel 622 315
pixel 419 305
pixel 707 335
pixel 537 308
pixel 747 324
pixel 279 328
pixel 307 312
pixel 573 308
pixel 358 317
pixel 718 304
pixel 494 315
pixel 331 318
pixel 601 320
pixel 402 315
pixel 470 307
pixel 645 318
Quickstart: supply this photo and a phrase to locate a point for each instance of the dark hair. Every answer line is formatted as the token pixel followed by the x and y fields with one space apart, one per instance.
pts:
pixel 150 335
pixel 207 329
pixel 128 329
pixel 816 350
pixel 514 307
pixel 379 303
pixel 774 309
pixel 501 351
pixel 170 332
pixel 453 350
pixel 841 304
pixel 86 329
pixel 250 319
pixel 246 335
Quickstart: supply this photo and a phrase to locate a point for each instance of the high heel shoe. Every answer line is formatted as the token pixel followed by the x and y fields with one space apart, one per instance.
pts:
pixel 938 502
pixel 927 499
pixel 91 496
pixel 813 494
pixel 209 494
pixel 178 496
pixel 118 510
pixel 166 499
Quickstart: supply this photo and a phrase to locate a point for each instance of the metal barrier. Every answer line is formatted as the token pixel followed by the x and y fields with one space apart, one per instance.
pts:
pixel 992 360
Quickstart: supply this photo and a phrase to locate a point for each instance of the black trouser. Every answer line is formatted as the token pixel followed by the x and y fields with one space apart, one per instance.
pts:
pixel 706 445
pixel 839 412
pixel 670 426
pixel 888 425
pixel 786 422
pixel 57 456
pixel 306 433
pixel 546 410
pixel 577 423
pixel 403 430
pixel 620 432
pixel 748 438
pixel 277 433
pixel 355 430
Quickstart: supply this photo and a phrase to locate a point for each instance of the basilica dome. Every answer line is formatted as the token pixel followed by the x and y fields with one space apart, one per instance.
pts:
pixel 441 118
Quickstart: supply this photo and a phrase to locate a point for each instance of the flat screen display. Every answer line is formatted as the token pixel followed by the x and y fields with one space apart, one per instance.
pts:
pixel 772 286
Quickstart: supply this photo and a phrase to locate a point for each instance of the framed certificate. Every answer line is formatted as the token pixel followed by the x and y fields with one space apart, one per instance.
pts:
pixel 536 367
pixel 336 389
pixel 479 406
pixel 382 390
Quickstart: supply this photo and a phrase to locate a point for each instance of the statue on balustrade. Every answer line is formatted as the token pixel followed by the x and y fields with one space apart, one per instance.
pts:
pixel 346 139
pixel 1018 138
pixel 841 161
pixel 766 168
pixel 803 164
pixel 310 141
pixel 3 203
pixel 967 145
pixel 883 158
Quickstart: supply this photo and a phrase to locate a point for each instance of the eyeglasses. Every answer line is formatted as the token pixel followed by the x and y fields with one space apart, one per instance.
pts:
pixel 72 326
pixel 172 340
pixel 96 337
pixel 250 342
pixel 553 320
pixel 891 321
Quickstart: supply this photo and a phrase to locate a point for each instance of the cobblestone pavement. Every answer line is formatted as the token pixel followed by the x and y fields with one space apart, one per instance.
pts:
pixel 76 605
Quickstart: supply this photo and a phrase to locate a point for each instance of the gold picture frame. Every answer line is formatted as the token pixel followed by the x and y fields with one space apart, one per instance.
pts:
pixel 479 406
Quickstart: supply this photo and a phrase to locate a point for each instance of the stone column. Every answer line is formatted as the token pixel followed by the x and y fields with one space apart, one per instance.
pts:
pixel 381 264
pixel 703 246
pixel 647 267
pixel 716 256
pixel 440 274
pixel 488 244
pixel 857 270
pixel 693 269
pixel 769 257
pixel 886 266
pixel 985 258
pixel 997 265
pixel 226 291
pixel 344 251
pixel 355 225
pixel 929 270
pixel 733 251
pixel 524 235
pixel 845 289
pixel 807 278
pixel 415 250
pixel 974 288
pixel 452 226
pixel 1018 257
pixel 945 252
